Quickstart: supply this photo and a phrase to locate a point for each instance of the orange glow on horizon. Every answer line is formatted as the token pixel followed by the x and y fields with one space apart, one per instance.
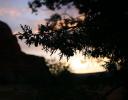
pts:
pixel 80 64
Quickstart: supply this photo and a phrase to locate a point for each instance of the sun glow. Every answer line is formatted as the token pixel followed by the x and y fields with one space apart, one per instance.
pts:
pixel 80 64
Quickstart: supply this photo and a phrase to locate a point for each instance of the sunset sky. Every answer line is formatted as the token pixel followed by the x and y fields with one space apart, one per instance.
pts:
pixel 16 12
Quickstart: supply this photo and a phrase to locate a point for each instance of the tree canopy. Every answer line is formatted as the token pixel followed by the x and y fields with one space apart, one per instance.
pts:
pixel 103 31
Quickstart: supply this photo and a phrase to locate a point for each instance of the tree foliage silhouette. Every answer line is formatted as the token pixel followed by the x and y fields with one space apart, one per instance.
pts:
pixel 103 32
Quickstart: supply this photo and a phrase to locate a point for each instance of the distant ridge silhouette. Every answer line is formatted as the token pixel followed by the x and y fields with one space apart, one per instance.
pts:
pixel 16 66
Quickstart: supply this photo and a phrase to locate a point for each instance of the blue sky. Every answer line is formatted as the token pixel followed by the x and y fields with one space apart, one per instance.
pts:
pixel 11 11
pixel 16 12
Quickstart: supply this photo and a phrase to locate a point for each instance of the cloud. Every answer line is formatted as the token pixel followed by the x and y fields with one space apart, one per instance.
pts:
pixel 12 12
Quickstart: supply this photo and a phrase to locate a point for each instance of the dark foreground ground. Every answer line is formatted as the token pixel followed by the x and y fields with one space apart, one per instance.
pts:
pixel 100 86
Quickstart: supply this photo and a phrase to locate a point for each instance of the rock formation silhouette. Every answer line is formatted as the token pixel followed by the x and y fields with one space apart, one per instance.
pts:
pixel 16 66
